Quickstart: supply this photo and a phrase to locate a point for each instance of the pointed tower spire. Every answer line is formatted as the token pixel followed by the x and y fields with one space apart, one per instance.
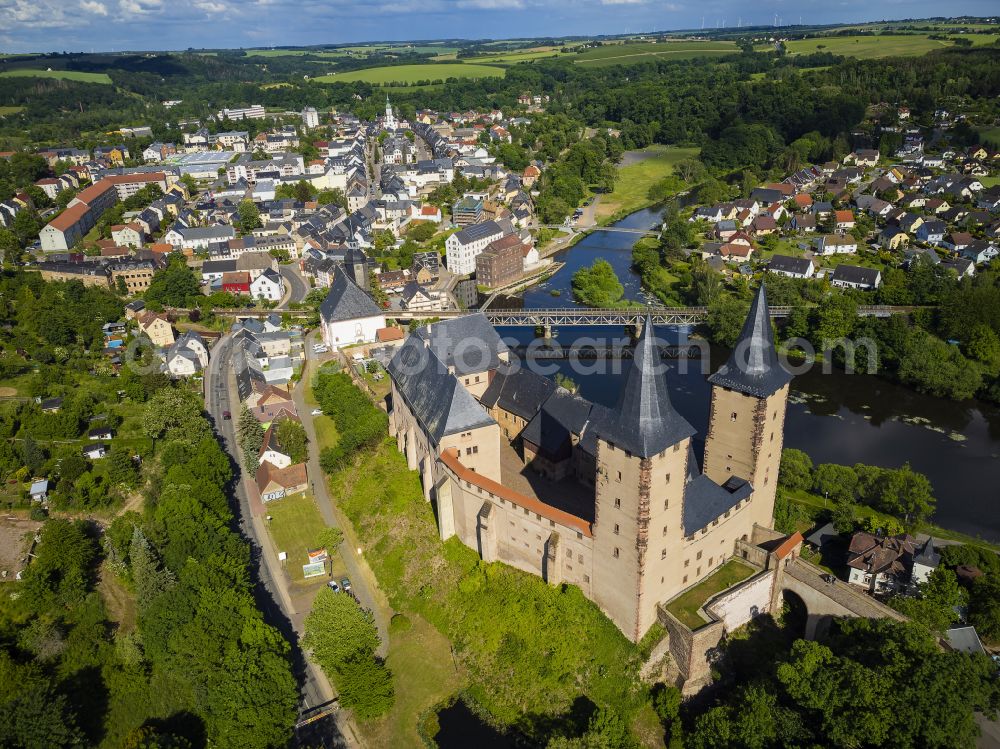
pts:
pixel 753 367
pixel 645 422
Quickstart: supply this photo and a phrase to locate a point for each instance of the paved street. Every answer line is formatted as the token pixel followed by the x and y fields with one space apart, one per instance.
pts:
pixel 298 286
pixel 271 591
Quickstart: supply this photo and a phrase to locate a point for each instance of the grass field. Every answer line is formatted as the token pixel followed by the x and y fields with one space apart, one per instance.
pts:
pixel 991 134
pixel 424 674
pixel 9 110
pixel 414 73
pixel 294 527
pixel 867 47
pixel 634 181
pixel 625 54
pixel 685 606
pixel 68 75
pixel 511 58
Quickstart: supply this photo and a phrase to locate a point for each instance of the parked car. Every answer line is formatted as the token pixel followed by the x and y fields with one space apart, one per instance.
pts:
pixel 316 412
pixel 332 585
pixel 227 415
pixel 346 584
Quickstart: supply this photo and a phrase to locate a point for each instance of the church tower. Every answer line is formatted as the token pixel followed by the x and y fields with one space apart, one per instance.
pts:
pixel 747 414
pixel 390 118
pixel 642 463
pixel 356 265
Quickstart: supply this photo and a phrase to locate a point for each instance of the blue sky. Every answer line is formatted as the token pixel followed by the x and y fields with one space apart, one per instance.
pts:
pixel 100 25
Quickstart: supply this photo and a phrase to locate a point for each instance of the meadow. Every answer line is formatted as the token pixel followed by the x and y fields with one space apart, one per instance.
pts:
pixel 646 168
pixel 413 73
pixel 624 54
pixel 68 75
pixel 868 47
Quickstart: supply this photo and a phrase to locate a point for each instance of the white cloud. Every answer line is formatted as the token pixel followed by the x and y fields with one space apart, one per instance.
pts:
pixel 140 7
pixel 92 6
pixel 210 7
pixel 623 2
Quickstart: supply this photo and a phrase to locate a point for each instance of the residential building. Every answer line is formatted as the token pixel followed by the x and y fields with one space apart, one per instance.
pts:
pixel 501 263
pixel 793 267
pixel 462 248
pixel 268 285
pixel 310 118
pixel 156 327
pixel 466 211
pixel 856 277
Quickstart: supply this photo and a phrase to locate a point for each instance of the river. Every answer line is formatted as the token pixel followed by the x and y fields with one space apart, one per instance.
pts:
pixel 836 418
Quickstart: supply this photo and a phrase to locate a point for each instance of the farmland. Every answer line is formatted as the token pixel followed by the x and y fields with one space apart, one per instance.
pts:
pixel 68 75
pixel 868 47
pixel 414 73
pixel 627 54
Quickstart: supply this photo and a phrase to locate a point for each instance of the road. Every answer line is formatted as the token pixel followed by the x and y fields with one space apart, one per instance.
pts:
pixel 270 589
pixel 299 288
pixel 362 578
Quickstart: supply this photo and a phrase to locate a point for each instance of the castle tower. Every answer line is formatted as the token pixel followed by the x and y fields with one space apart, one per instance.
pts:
pixel 747 415
pixel 642 463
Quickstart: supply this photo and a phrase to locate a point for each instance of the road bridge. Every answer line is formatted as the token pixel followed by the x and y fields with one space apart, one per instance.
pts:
pixel 587 229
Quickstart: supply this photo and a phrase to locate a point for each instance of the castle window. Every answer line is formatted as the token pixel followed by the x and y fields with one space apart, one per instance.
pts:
pixel 616 529
pixel 710 561
pixel 477 378
pixel 772 436
pixel 619 475
pixel 628 454
pixel 697 572
pixel 666 504
pixel 569 553
pixel 727 513
pixel 525 510
pixel 615 553
pixel 668 478
pixel 765 481
pixel 775 416
pixel 677 447
pixel 579 558
pixel 552 524
pixel 611 446
pixel 687 562
pixel 685 579
pixel 715 522
pixel 466 380
pixel 732 416
pixel 663 553
pixel 664 530
pixel 698 556
pixel 537 516
pixel 475 449
pixel 586 578
pixel 579 536
pixel 618 504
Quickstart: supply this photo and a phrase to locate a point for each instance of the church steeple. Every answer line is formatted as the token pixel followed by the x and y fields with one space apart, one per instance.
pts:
pixel 753 367
pixel 645 422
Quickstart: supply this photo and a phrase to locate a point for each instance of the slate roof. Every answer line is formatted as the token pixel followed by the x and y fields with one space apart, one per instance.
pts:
pixel 474 232
pixel 346 301
pixel 468 344
pixel 561 415
pixel 788 264
pixel 518 390
pixel 926 555
pixel 645 422
pixel 435 396
pixel 753 367
pixel 855 274
pixel 704 500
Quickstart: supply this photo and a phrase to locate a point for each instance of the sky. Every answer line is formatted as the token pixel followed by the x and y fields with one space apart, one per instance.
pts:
pixel 115 25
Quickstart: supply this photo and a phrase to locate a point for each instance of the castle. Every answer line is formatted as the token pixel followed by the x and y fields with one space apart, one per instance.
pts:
pixel 610 500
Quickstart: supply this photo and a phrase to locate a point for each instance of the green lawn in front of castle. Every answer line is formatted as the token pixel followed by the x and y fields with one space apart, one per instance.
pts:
pixel 685 606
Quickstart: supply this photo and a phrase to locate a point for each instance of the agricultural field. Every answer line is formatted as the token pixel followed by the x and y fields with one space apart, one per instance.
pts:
pixel 516 56
pixel 868 47
pixel 625 54
pixel 68 75
pixel 641 170
pixel 413 73
pixel 990 134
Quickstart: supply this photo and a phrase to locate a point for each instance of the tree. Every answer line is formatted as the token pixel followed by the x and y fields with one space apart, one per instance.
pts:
pixel 936 602
pixel 330 539
pixel 906 494
pixel 32 711
pixel 122 468
pixel 984 607
pixel 292 438
pixel 338 628
pixel 365 686
pixel 149 577
pixel 249 216
pixel 834 481
pixel 796 469
pixel 173 286
pixel 725 320
pixel 844 517
pixel 597 286
pixel 250 436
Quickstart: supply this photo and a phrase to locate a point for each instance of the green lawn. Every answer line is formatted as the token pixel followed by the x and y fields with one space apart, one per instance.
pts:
pixel 888 45
pixel 634 181
pixel 991 134
pixel 510 58
pixel 424 674
pixel 69 75
pixel 414 73
pixel 626 54
pixel 993 179
pixel 685 606
pixel 294 526
pixel 9 110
